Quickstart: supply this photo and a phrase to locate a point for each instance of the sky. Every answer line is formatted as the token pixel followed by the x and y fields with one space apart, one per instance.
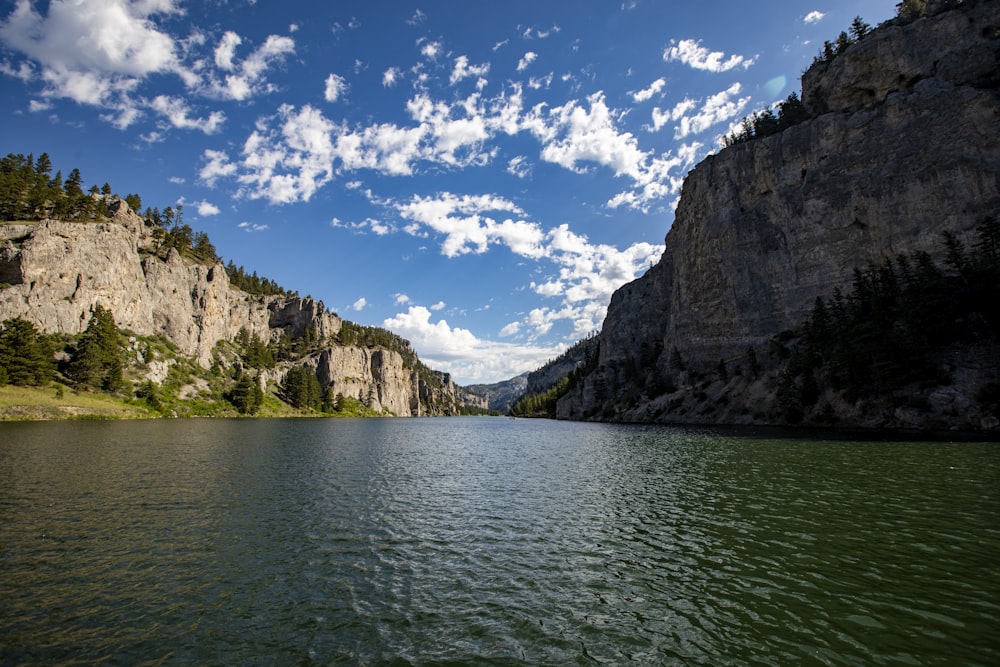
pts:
pixel 477 177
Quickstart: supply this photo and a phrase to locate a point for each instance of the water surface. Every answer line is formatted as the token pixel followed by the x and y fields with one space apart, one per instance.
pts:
pixel 491 541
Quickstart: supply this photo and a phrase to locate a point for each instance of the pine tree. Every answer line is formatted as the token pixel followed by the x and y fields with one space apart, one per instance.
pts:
pixel 97 362
pixel 25 355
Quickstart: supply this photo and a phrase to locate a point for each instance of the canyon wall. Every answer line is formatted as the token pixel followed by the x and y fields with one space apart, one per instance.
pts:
pixel 54 274
pixel 902 144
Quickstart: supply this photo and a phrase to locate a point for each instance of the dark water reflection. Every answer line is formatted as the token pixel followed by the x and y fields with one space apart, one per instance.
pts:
pixel 490 541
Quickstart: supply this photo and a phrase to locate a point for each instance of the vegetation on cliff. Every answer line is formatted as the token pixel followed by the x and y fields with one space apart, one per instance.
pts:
pixel 272 374
pixel 891 332
pixel 583 356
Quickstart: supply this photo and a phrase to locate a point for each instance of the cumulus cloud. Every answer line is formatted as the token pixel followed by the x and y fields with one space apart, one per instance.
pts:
pixel 814 16
pixel 458 351
pixel 390 77
pixel 293 153
pixel 586 274
pixel 226 50
pixel 206 209
pixel 648 93
pixel 463 70
pixel 519 166
pixel 176 110
pixel 250 227
pixel 100 53
pixel 717 108
pixel 248 78
pixel 466 228
pixel 431 50
pixel 359 305
pixel 693 54
pixel 664 116
pixel 526 60
pixel 335 86
pixel 217 165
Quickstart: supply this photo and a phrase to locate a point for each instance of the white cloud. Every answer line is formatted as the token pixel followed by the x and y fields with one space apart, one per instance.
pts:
pixel 576 134
pixel 417 18
pixel 717 108
pixel 252 227
pixel 289 162
pixel 248 78
pixel 661 118
pixel 458 351
pixel 359 305
pixel 226 50
pixel 206 209
pixel 463 70
pixel 431 50
pixel 814 17
pixel 101 52
pixel 217 165
pixel 391 76
pixel 693 54
pixel 648 93
pixel 466 228
pixel 176 111
pixel 400 299
pixel 586 276
pixel 293 153
pixel 519 166
pixel 94 52
pixel 334 88
pixel 438 306
pixel 526 60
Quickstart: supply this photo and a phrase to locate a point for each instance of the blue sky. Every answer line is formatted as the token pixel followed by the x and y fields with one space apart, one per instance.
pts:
pixel 476 177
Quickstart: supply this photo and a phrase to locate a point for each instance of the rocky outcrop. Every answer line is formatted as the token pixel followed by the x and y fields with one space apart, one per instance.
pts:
pixel 55 274
pixel 902 146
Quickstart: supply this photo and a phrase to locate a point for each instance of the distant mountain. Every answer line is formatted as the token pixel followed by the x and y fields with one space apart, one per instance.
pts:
pixel 501 395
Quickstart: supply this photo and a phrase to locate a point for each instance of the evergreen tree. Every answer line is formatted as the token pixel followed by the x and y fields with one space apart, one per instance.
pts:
pixel 97 362
pixel 246 396
pixel 25 355
pixel 301 389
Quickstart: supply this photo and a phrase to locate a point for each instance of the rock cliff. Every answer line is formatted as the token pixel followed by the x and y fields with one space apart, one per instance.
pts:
pixel 54 274
pixel 901 146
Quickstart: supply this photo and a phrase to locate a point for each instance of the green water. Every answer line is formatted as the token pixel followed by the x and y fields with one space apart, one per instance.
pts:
pixel 491 541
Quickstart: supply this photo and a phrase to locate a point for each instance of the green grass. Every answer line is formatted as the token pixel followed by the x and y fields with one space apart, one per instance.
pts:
pixel 35 403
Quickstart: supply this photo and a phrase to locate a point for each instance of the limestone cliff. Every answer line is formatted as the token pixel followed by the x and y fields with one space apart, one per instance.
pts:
pixel 901 145
pixel 55 274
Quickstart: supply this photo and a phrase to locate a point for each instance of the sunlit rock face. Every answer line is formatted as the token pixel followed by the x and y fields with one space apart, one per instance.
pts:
pixel 902 145
pixel 54 274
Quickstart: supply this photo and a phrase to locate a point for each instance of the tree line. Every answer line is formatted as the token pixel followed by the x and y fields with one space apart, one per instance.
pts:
pixel 95 360
pixel 585 353
pixel 886 333
pixel 791 111
pixel 29 190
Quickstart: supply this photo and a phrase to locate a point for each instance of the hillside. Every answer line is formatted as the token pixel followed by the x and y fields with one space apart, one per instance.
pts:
pixel 183 325
pixel 884 194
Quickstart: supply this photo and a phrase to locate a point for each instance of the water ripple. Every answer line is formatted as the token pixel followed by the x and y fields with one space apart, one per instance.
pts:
pixel 479 541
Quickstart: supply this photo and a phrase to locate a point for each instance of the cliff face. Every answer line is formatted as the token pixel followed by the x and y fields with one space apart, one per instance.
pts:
pixel 56 273
pixel 902 145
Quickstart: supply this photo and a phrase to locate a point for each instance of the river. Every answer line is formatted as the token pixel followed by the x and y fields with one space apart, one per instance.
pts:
pixel 491 541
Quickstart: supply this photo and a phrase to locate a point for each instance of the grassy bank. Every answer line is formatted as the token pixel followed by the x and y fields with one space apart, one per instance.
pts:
pixel 35 403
